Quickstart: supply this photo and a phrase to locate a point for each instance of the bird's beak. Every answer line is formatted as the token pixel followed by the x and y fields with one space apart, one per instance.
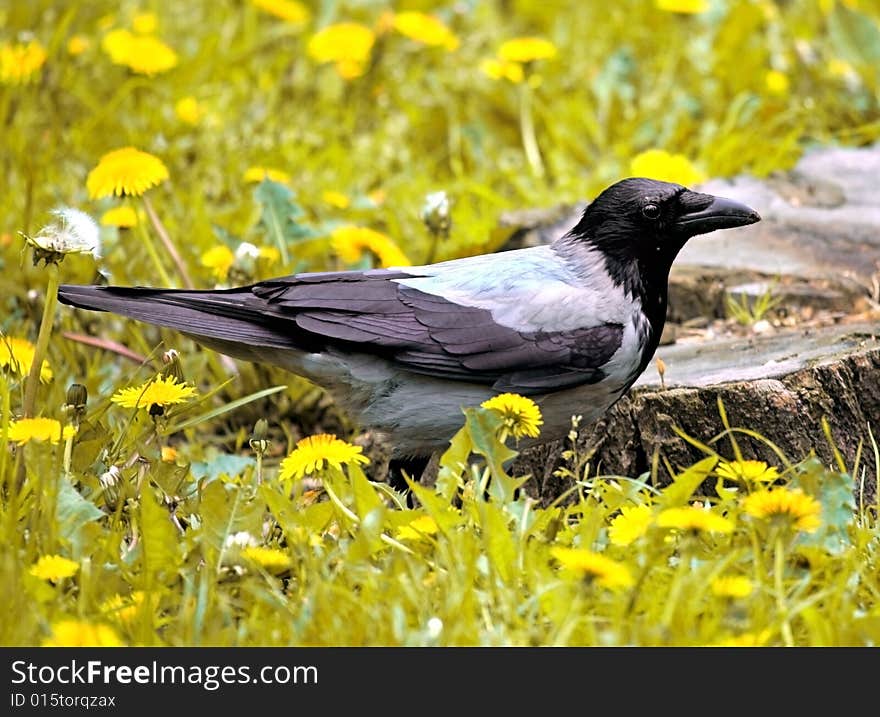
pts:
pixel 720 213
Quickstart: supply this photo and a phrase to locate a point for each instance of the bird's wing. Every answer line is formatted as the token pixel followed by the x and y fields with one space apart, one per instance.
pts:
pixel 432 335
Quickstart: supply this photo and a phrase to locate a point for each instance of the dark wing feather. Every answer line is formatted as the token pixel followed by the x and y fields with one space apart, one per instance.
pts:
pixel 369 312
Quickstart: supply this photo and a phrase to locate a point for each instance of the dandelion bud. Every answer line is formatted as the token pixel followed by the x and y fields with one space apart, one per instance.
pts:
pixel 171 359
pixel 259 443
pixel 435 214
pixel 75 407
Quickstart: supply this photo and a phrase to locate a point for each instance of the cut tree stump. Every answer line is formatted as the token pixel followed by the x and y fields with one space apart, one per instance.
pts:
pixel 779 386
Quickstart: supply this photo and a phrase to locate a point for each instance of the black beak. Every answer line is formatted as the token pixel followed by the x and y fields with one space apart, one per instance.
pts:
pixel 721 213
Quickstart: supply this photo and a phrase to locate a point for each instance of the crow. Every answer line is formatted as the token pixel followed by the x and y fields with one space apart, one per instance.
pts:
pixel 570 324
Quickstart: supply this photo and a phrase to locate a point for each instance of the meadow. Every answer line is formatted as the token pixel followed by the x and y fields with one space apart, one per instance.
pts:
pixel 153 493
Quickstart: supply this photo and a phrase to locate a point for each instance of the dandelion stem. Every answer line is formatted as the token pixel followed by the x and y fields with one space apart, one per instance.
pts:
pixel 527 130
pixel 167 243
pixel 154 255
pixel 33 378
pixel 778 567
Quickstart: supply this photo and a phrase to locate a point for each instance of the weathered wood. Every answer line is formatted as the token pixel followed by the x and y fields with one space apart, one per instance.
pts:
pixel 780 386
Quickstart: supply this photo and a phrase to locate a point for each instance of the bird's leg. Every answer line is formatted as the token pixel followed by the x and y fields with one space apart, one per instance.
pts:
pixel 413 466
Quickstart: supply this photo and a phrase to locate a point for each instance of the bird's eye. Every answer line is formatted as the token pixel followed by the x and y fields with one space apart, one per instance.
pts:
pixel 651 211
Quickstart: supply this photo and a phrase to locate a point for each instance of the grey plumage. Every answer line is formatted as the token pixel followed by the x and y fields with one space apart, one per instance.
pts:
pixel 572 324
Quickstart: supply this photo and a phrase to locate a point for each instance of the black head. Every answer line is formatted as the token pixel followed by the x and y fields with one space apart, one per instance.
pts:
pixel 649 221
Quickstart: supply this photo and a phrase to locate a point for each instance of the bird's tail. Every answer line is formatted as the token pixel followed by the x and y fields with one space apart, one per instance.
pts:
pixel 222 318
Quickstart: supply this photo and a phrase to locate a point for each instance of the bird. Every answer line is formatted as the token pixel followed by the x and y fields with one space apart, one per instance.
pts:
pixel 570 324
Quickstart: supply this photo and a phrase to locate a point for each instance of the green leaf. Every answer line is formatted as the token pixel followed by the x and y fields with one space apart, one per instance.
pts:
pixel 854 35
pixel 366 499
pixel 835 491
pixel 73 513
pixel 453 463
pixel 225 510
pixel 483 425
pixel 222 464
pixel 279 214
pixel 499 544
pixel 681 489
pixel 159 539
pixel 220 410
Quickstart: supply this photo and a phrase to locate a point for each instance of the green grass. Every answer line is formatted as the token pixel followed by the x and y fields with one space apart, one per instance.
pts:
pixel 155 533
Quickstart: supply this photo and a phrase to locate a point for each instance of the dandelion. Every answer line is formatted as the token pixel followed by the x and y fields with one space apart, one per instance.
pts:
pixel 418 528
pixel 77 45
pixel 289 10
pixel 123 217
pixel 785 507
pixel 188 110
pixel 168 454
pixel 426 29
pixel 125 171
pixel 732 586
pixel 219 260
pixel 315 453
pixel 269 558
pixel 40 429
pixel 142 54
pixel 593 566
pixel 694 519
pixel 72 232
pixel 748 471
pixel 335 199
pixel 18 355
pixel 776 82
pixel 632 523
pixel 162 391
pixel 123 608
pixel 79 633
pixel 500 70
pixel 145 23
pixel 746 639
pixel 526 49
pixel 351 243
pixel 20 62
pixel 520 415
pixel 258 174
pixel 54 568
pixel 660 164
pixel 347 44
pixel 683 7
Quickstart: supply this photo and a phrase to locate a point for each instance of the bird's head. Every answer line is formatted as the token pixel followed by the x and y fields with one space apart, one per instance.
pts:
pixel 649 221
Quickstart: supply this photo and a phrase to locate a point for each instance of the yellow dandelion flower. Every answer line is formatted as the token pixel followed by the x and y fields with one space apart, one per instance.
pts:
pixel 526 49
pixel 732 586
pixel 78 44
pixel 418 528
pixel 78 633
pixel 290 10
pixel 347 44
pixel 219 260
pixel 54 568
pixel 258 174
pixel 161 391
pixel 188 110
pixel 695 519
pixel 123 608
pixel 124 217
pixel 660 164
pixel 269 558
pixel 632 523
pixel 776 82
pixel 125 171
pixel 749 471
pixel 521 416
pixel 351 242
pixel 18 355
pixel 426 29
pixel 683 7
pixel 145 23
pixel 269 254
pixel 593 566
pixel 142 54
pixel 315 453
pixel 747 639
pixel 785 506
pixel 20 62
pixel 169 454
pixel 40 429
pixel 501 70
pixel 336 199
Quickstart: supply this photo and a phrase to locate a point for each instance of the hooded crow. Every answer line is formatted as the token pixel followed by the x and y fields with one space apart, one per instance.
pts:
pixel 571 324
